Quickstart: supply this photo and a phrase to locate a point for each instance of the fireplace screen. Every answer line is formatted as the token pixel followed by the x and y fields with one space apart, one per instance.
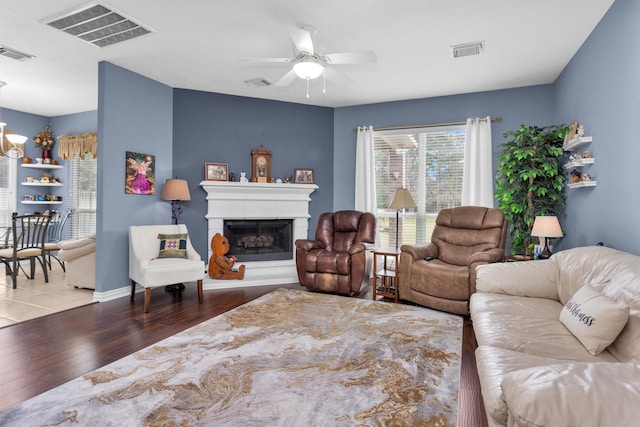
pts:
pixel 260 240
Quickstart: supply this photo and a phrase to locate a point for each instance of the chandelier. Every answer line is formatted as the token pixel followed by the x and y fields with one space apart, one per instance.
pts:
pixel 11 144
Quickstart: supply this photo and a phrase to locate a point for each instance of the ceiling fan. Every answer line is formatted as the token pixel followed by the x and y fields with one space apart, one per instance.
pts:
pixel 308 64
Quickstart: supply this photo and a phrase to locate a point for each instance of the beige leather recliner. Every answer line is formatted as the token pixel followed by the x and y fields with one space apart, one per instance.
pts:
pixel 442 274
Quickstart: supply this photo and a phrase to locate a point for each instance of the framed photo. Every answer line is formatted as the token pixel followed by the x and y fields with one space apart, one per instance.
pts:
pixel 303 176
pixel 139 175
pixel 216 171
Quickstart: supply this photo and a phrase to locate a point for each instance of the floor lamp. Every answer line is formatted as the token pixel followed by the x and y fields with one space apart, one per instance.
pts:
pixel 545 227
pixel 401 200
pixel 176 190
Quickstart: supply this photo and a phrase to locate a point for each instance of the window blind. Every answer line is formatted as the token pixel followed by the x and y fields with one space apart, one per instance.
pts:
pixel 429 163
pixel 83 196
pixel 8 190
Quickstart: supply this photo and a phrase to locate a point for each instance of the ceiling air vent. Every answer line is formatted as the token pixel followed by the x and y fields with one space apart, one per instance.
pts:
pixel 467 49
pixel 97 24
pixel 14 54
pixel 258 82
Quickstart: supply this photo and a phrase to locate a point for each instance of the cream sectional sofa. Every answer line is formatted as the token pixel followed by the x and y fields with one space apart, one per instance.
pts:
pixel 534 371
pixel 80 258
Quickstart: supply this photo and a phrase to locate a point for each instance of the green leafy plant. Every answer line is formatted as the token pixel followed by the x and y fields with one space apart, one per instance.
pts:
pixel 530 180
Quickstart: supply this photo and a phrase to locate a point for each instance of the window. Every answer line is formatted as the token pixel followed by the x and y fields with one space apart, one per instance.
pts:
pixel 83 196
pixel 8 190
pixel 428 162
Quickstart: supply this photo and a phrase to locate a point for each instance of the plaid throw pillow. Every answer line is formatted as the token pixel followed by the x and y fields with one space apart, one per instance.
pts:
pixel 173 245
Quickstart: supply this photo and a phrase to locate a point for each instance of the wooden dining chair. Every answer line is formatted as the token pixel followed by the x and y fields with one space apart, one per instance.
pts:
pixel 29 233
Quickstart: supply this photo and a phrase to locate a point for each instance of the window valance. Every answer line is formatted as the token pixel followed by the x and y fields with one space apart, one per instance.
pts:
pixel 78 145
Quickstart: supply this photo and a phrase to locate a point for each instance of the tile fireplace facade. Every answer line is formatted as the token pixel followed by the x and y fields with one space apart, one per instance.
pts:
pixel 258 201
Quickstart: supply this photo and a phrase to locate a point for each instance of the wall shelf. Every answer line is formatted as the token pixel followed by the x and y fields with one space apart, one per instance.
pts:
pixel 579 163
pixel 40 166
pixel 577 142
pixel 42 184
pixel 582 184
pixel 39 202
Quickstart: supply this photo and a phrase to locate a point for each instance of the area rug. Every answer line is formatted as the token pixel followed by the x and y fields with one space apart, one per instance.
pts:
pixel 288 358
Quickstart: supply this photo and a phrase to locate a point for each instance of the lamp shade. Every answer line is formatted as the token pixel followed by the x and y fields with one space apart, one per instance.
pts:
pixel 175 189
pixel 16 139
pixel 546 226
pixel 308 69
pixel 402 200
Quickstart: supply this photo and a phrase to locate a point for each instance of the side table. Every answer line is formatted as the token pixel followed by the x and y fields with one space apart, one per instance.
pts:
pixel 385 280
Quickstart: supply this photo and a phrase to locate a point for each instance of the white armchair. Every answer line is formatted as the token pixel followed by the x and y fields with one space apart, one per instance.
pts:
pixel 150 271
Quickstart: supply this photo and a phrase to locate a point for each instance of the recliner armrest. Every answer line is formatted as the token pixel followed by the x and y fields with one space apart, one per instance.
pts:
pixel 418 252
pixel 307 245
pixel 488 256
pixel 357 248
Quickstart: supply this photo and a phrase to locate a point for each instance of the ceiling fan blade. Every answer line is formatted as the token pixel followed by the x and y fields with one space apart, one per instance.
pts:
pixel 336 77
pixel 302 40
pixel 281 60
pixel 361 57
pixel 287 79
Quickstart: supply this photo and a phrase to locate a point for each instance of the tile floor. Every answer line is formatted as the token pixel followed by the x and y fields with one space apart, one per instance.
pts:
pixel 34 298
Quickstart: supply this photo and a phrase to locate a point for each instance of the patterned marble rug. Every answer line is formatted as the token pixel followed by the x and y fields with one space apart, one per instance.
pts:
pixel 289 358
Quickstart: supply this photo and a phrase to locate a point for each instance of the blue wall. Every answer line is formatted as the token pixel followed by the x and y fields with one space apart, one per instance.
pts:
pixel 600 88
pixel 210 127
pixel 135 113
pixel 184 129
pixel 531 105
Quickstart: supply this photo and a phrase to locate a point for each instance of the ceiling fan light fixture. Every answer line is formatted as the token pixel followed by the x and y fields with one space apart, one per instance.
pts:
pixel 308 69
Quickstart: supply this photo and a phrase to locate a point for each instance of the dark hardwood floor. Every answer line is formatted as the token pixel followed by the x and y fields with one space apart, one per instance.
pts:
pixel 42 353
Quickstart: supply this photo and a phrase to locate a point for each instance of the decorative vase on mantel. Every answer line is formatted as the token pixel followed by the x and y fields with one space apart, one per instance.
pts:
pixel 46 154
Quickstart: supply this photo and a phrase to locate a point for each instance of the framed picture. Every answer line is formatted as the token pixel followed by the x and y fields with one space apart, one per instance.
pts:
pixel 140 177
pixel 216 171
pixel 303 176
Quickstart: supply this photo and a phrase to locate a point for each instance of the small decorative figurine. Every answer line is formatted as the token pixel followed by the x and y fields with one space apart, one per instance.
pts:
pixel 586 154
pixel 243 177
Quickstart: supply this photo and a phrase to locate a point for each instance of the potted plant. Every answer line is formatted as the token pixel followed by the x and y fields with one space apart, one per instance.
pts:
pixel 530 180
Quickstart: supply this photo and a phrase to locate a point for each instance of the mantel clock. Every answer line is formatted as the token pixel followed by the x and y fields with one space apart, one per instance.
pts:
pixel 261 165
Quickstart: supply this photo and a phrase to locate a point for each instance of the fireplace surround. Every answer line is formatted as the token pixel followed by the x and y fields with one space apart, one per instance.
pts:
pixel 234 201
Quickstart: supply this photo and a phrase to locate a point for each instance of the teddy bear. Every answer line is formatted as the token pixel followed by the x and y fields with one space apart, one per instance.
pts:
pixel 221 266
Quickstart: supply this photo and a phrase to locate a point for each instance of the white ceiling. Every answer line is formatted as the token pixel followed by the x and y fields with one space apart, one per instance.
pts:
pixel 196 45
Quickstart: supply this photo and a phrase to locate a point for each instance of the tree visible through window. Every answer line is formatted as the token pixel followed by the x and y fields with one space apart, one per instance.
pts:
pixel 428 162
pixel 83 196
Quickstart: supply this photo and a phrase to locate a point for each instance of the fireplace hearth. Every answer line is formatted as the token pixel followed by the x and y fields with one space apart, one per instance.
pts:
pixel 261 204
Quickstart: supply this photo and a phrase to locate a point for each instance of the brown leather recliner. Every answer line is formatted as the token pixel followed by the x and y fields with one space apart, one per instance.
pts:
pixel 442 274
pixel 335 261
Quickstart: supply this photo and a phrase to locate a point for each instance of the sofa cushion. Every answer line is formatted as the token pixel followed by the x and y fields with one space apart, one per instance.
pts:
pixel 527 325
pixel 593 318
pixel 564 395
pixel 493 365
pixel 173 245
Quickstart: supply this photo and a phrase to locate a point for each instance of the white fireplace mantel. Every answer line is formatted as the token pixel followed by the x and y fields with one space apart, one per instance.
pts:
pixel 252 200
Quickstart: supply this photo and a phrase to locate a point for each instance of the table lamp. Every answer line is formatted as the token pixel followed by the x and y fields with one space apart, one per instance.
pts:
pixel 401 200
pixel 546 227
pixel 176 190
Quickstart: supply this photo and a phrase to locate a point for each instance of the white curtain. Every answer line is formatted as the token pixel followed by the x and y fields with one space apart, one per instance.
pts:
pixel 365 171
pixel 477 179
pixel 365 200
